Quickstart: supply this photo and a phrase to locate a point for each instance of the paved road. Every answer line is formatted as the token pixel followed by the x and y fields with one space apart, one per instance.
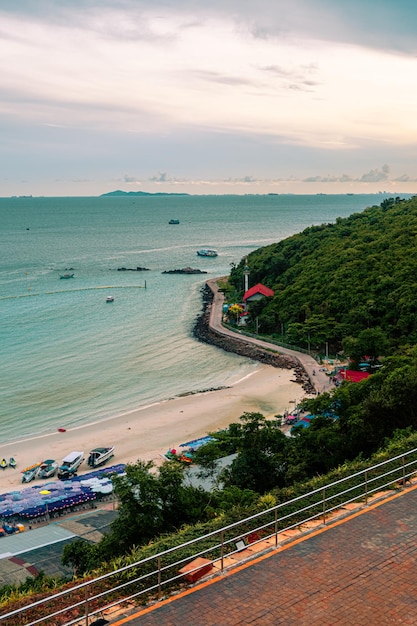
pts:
pixel 318 378
pixel 361 571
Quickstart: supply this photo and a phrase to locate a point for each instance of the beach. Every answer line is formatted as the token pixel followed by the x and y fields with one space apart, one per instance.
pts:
pixel 148 432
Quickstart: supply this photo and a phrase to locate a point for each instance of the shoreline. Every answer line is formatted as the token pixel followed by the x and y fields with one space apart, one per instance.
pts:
pixel 274 387
pixel 148 432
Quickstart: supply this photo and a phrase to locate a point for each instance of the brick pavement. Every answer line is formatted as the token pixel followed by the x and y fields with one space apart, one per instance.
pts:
pixel 359 571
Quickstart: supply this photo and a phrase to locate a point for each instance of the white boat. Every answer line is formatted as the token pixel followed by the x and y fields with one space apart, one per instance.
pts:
pixel 29 473
pixel 47 469
pixel 207 252
pixel 99 456
pixel 109 299
pixel 70 464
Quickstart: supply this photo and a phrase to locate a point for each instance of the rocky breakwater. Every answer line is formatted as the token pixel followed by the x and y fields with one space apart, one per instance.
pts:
pixel 239 345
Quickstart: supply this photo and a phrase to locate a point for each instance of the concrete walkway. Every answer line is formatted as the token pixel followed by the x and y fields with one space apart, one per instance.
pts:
pixel 319 380
pixel 359 571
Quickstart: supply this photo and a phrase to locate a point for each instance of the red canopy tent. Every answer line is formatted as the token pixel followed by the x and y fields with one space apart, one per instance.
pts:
pixel 352 375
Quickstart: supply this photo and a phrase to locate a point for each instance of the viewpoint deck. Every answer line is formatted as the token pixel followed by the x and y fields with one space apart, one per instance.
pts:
pixel 362 570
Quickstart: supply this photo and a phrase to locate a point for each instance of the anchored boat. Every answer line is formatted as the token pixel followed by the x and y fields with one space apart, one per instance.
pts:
pixel 70 464
pixel 99 456
pixel 29 473
pixel 207 252
pixel 48 469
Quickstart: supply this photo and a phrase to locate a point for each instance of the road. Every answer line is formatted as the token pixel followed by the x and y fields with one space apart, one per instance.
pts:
pixel 318 378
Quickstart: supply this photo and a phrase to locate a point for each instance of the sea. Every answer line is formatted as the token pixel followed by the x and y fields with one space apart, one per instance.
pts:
pixel 67 356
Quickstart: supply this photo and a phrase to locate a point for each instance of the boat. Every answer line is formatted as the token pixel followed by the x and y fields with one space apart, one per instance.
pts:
pixel 48 468
pixel 207 252
pixel 66 275
pixel 99 456
pixel 173 222
pixel 3 464
pixel 12 462
pixel 29 473
pixel 70 464
pixel 109 299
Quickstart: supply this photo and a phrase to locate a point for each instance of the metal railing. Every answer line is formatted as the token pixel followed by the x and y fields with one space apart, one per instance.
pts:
pixel 165 571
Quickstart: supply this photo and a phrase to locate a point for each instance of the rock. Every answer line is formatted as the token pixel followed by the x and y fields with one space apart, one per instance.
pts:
pixel 184 270
pixel 133 269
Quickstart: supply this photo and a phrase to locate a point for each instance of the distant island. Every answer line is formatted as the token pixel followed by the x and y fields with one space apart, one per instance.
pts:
pixel 119 192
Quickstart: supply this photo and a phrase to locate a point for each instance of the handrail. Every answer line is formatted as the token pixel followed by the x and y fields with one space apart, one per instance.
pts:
pixel 148 577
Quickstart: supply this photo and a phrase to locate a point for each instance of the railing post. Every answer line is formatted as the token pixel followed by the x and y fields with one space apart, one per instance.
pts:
pixel 222 551
pixel 86 606
pixel 159 576
pixel 366 487
pixel 276 528
pixel 324 505
pixel 403 466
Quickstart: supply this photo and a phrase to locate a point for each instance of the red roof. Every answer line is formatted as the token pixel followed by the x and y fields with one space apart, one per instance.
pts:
pixel 353 375
pixel 259 288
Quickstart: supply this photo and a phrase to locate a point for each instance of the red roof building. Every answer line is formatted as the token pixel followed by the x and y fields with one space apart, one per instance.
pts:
pixel 257 292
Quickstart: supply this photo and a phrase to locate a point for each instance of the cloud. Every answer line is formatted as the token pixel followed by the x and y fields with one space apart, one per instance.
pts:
pixel 375 176
pixel 305 92
pixel 405 178
pixel 162 177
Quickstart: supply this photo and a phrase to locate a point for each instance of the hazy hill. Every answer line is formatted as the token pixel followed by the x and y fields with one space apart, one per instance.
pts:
pixel 119 192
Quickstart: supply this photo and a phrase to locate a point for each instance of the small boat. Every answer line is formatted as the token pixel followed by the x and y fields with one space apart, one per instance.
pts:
pixel 109 299
pixel 12 462
pixel 29 473
pixel 70 464
pixel 207 252
pixel 48 469
pixel 171 454
pixel 173 222
pixel 3 464
pixel 99 456
pixel 66 275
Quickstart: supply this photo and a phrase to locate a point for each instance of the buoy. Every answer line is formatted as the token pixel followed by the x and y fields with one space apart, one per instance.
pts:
pixel 62 430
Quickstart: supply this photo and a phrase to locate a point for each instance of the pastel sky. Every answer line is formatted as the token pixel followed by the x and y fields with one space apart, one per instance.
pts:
pixel 213 97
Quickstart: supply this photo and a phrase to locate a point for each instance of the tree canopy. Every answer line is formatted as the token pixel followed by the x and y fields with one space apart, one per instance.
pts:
pixel 332 282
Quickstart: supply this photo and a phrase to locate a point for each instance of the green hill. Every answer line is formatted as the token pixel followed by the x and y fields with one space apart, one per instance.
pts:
pixel 335 280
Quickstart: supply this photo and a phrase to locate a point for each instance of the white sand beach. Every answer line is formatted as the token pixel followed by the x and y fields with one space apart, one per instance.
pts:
pixel 148 432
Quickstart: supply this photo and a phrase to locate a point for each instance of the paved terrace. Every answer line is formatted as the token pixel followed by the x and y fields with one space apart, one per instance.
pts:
pixel 359 571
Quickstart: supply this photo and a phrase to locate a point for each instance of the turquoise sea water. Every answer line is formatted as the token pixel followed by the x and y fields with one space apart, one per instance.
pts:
pixel 67 356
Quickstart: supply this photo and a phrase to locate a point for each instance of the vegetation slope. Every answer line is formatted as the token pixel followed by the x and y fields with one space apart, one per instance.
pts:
pixel 331 282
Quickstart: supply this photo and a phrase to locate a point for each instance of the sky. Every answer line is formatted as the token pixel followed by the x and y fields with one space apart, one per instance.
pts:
pixel 213 97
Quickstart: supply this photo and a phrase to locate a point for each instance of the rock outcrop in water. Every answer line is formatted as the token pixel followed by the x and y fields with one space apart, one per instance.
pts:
pixel 133 269
pixel 185 270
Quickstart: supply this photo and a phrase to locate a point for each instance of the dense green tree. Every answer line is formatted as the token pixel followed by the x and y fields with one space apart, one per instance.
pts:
pixel 261 460
pixel 337 280
pixel 151 501
pixel 373 342
pixel 81 556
